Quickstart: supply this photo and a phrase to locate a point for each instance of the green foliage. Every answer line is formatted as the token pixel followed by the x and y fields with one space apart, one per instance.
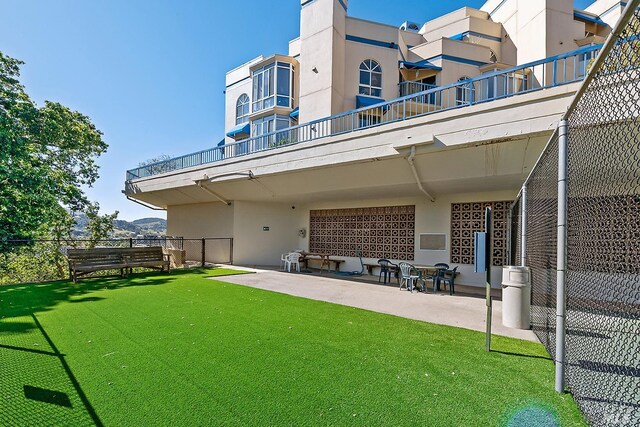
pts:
pixel 46 155
pixel 157 165
pixel 31 262
pixel 279 143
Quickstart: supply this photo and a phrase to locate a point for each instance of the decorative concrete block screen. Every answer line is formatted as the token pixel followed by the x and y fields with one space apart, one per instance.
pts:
pixel 467 218
pixel 384 232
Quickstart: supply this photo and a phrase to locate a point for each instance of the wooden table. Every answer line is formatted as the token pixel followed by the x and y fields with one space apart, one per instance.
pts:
pixel 322 256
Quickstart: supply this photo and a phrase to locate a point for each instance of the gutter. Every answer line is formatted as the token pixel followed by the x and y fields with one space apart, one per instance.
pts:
pixel 144 204
pixel 415 173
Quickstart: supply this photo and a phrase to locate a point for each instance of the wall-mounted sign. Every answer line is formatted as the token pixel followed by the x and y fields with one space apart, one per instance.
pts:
pixel 265 228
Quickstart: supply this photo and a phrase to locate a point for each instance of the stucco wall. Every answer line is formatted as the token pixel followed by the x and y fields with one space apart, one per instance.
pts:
pixel 388 60
pixel 231 98
pixel 253 245
pixel 200 220
pixel 195 221
pixel 322 32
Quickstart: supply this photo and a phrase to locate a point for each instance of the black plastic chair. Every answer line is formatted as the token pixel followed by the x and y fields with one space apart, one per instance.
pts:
pixel 385 269
pixel 448 277
pixel 442 266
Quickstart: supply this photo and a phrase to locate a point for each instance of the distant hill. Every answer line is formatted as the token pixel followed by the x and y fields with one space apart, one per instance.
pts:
pixel 146 227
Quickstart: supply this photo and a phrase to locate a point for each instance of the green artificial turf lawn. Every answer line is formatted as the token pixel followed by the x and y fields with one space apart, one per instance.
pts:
pixel 185 350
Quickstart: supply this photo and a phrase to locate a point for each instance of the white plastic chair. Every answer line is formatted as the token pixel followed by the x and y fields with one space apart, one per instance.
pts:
pixel 293 259
pixel 406 278
pixel 283 261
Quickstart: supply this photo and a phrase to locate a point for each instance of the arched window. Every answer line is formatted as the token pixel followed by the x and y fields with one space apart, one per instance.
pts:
pixel 242 109
pixel 464 92
pixel 370 78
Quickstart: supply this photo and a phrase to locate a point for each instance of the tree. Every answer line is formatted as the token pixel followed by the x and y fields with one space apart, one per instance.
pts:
pixel 158 164
pixel 47 154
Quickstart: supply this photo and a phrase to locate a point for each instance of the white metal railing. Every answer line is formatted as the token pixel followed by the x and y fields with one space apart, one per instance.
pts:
pixel 410 88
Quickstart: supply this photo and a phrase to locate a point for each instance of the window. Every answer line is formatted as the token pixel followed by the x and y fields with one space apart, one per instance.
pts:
pixel 493 58
pixel 268 125
pixel 370 78
pixel 242 109
pixel 263 87
pixel 284 89
pixel 584 61
pixel 273 85
pixel 493 87
pixel 464 92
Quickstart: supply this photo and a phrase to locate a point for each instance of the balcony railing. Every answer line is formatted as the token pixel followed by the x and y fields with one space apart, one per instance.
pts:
pixel 410 88
pixel 546 73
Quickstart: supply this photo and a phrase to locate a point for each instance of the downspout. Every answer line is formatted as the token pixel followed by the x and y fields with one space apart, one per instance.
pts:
pixel 415 174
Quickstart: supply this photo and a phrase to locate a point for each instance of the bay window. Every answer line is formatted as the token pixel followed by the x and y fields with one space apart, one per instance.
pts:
pixel 273 85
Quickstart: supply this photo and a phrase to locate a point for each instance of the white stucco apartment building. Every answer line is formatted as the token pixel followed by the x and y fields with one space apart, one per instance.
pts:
pixel 385 139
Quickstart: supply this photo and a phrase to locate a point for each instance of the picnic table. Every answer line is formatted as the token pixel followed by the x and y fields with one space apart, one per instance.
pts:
pixel 324 258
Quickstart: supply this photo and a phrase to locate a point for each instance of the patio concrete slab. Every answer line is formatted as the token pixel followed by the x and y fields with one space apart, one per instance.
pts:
pixel 460 311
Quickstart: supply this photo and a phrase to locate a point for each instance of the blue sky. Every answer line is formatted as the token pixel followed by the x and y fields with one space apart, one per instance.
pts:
pixel 150 73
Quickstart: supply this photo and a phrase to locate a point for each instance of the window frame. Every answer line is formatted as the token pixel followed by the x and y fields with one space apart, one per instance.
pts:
pixel 368 89
pixel 465 93
pixel 266 86
pixel 244 102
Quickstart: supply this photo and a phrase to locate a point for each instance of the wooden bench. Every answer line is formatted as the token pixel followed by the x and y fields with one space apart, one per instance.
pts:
pixel 370 268
pixel 86 261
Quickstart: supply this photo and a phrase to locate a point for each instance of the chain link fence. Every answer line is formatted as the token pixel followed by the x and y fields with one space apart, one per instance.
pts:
pixel 31 261
pixel 541 244
pixel 602 281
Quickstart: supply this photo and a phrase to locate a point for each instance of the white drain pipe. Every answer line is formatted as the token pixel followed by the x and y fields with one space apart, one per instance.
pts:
pixel 415 173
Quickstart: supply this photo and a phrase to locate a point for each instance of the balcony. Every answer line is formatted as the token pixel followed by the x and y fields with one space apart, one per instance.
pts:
pixel 535 76
pixel 410 88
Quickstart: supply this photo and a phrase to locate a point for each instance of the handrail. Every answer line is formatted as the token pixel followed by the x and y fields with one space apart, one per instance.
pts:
pixel 533 76
pixel 410 88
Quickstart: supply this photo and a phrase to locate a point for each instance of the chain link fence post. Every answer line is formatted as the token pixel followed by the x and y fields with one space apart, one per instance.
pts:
pixel 523 229
pixel 204 243
pixel 561 259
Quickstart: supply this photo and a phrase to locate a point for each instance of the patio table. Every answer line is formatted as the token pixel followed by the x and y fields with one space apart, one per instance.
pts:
pixel 430 269
pixel 324 257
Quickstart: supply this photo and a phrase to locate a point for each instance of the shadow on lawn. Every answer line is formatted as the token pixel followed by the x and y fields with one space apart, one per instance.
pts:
pixel 531 356
pixel 38 382
pixel 26 299
pixel 39 385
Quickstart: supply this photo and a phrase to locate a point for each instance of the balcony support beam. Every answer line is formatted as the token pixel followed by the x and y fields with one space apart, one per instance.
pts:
pixel 213 193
